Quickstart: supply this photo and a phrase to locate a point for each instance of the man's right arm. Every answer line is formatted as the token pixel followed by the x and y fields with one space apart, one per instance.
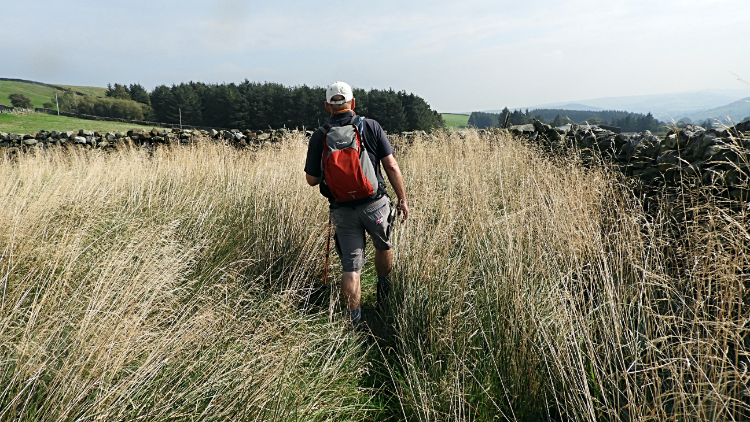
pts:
pixel 312 162
pixel 312 180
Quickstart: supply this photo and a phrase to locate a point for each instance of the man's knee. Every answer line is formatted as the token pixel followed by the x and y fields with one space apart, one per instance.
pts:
pixel 350 288
pixel 350 276
pixel 383 253
pixel 383 261
pixel 350 282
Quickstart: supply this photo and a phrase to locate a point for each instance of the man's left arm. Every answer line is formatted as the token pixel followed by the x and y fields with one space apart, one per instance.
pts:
pixel 397 182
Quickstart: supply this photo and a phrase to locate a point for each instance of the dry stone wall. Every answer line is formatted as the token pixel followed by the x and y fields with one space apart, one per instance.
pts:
pixel 717 157
pixel 14 143
pixel 148 138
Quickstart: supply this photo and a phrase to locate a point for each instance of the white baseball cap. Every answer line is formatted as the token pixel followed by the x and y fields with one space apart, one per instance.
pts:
pixel 339 88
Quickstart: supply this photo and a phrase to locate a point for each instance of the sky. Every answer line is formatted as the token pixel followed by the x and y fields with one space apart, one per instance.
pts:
pixel 458 55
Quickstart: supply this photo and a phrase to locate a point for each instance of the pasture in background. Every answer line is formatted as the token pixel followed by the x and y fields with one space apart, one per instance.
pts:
pixel 455 120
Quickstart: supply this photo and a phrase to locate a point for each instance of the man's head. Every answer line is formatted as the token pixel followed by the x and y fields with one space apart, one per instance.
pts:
pixel 339 97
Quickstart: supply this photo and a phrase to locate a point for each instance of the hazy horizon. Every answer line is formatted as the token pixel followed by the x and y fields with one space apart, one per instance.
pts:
pixel 474 55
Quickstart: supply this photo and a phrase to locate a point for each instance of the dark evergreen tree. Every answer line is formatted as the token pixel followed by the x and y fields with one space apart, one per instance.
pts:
pixel 362 98
pixel 594 121
pixel 633 122
pixel 386 108
pixel 260 106
pixel 560 121
pixel 221 106
pixel 419 115
pixel 187 105
pixel 517 117
pixel 311 112
pixel 162 102
pixel 138 93
pixel 481 120
pixel 118 91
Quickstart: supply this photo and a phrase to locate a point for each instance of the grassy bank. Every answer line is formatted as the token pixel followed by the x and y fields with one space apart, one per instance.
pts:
pixel 176 286
pixel 34 122
pixel 40 94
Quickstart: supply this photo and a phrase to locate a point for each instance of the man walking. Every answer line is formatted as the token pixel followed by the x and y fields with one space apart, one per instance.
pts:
pixel 352 181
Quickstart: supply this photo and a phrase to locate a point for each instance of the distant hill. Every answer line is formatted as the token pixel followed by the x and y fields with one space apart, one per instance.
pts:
pixel 40 92
pixel 628 122
pixel 580 107
pixel 663 106
pixel 571 106
pixel 734 111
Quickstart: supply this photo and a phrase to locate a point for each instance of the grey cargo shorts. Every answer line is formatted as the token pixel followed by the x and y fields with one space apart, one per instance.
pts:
pixel 351 225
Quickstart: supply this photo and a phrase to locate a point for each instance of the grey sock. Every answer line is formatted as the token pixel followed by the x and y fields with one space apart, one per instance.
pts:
pixel 384 288
pixel 355 315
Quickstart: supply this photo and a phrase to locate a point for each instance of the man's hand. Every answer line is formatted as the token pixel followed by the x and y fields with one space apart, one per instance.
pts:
pixel 401 207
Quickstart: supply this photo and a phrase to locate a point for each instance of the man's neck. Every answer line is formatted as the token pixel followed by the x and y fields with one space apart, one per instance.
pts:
pixel 340 111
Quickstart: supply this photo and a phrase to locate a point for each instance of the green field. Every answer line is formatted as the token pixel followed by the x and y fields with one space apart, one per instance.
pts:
pixel 34 122
pixel 40 94
pixel 455 120
pixel 94 91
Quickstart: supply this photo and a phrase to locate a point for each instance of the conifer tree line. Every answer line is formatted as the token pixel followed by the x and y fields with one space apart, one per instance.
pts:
pixel 628 122
pixel 250 105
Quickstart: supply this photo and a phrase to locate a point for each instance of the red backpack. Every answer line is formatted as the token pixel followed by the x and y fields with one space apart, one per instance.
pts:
pixel 347 169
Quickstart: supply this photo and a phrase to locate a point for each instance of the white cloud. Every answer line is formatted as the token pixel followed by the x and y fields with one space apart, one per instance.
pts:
pixel 475 54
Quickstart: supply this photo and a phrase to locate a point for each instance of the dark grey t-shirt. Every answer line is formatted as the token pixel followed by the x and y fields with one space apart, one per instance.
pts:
pixel 376 145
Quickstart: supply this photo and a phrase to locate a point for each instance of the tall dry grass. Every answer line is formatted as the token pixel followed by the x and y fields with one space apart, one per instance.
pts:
pixel 166 287
pixel 174 285
pixel 534 289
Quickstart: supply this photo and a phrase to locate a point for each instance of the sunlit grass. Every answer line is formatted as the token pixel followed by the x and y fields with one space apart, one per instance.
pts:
pixel 166 287
pixel 174 285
